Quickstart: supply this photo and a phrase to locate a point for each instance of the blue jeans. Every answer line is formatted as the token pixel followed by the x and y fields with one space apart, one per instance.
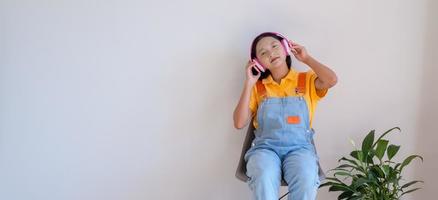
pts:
pixel 300 168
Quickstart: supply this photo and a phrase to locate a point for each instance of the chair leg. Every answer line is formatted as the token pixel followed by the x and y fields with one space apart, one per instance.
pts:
pixel 283 195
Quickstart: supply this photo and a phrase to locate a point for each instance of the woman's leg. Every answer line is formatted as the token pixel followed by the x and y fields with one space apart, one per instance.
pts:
pixel 264 170
pixel 300 170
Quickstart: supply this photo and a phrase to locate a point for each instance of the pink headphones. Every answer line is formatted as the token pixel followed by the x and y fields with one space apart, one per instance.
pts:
pixel 284 42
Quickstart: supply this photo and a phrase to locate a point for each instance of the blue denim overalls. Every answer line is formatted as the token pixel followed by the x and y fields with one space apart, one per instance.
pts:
pixel 283 144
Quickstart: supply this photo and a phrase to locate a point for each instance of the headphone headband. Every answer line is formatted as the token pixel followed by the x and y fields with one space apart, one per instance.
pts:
pixel 284 41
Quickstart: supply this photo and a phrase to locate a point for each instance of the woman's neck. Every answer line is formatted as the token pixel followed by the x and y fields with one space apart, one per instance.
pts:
pixel 279 73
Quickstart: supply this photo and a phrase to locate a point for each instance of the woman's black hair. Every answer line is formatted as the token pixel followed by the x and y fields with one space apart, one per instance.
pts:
pixel 253 52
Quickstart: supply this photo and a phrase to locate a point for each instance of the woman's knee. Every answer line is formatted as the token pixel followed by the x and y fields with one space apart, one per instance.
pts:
pixel 264 165
pixel 307 178
pixel 301 170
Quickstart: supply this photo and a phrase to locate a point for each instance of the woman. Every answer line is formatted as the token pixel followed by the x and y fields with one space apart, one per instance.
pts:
pixel 282 102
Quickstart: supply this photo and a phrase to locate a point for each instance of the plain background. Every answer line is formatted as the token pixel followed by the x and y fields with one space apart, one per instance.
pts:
pixel 134 99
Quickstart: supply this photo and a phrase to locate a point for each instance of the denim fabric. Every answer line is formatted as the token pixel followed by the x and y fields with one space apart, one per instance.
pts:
pixel 283 149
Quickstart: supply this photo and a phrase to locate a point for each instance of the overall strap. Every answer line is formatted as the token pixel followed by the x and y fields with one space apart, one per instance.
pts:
pixel 301 84
pixel 261 90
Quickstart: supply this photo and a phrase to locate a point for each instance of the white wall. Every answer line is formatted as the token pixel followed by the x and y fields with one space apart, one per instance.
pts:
pixel 427 132
pixel 134 99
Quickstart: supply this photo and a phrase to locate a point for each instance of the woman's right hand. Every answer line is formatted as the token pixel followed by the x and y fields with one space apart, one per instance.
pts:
pixel 250 78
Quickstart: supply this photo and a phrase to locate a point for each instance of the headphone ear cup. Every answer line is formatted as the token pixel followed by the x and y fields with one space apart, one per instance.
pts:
pixel 259 66
pixel 254 71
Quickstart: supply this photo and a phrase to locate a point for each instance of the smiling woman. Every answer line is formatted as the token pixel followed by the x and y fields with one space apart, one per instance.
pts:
pixel 277 41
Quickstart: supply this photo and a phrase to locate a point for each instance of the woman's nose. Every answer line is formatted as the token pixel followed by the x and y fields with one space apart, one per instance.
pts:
pixel 271 54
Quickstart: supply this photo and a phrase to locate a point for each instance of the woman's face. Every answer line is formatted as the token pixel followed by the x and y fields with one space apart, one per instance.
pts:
pixel 270 53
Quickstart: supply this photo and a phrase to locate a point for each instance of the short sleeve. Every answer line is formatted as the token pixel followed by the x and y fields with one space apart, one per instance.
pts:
pixel 253 100
pixel 315 94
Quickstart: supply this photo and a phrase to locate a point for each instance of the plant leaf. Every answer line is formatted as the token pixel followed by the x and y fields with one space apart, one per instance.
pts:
pixel 410 183
pixel 354 198
pixel 326 184
pixel 339 170
pixel 385 169
pixel 408 160
pixel 392 150
pixel 339 187
pixel 342 173
pixel 348 160
pixel 368 142
pixel 381 148
pixel 357 155
pixel 377 171
pixel 353 162
pixel 369 157
pixel 396 166
pixel 333 179
pixel 383 135
pixel 359 182
pixel 344 166
pixel 409 191
pixel 345 195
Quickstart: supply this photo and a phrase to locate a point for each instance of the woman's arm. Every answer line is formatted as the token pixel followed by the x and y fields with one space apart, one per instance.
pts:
pixel 242 114
pixel 326 77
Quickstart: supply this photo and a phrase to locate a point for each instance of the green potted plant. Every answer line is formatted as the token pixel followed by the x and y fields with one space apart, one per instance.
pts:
pixel 367 175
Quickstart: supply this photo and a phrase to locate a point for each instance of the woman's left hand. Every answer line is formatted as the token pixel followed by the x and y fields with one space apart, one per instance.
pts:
pixel 298 51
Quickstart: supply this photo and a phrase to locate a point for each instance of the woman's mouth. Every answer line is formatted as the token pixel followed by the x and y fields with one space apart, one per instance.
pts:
pixel 274 59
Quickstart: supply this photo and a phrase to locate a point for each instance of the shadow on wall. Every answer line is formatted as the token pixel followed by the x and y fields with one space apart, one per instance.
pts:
pixel 427 133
